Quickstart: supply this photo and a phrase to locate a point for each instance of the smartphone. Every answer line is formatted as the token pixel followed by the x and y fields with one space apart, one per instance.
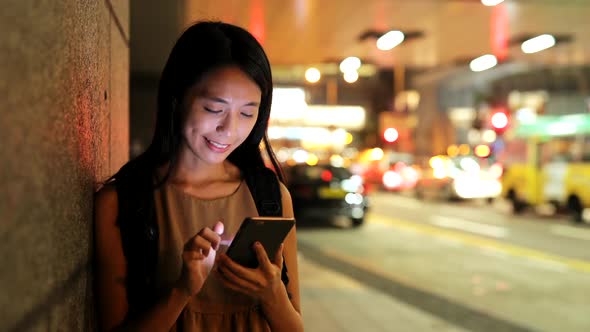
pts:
pixel 269 231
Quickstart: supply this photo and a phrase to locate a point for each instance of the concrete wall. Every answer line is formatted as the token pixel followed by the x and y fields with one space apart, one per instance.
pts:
pixel 156 25
pixel 64 68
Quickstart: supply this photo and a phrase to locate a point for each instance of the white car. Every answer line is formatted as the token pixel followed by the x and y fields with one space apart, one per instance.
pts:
pixel 459 178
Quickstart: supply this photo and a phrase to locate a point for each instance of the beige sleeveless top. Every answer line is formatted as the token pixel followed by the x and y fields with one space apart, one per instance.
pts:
pixel 180 217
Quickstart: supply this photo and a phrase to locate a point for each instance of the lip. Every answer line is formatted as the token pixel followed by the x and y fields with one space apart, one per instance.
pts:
pixel 215 146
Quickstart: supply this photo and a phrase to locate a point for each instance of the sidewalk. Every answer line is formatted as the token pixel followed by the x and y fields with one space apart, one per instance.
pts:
pixel 331 301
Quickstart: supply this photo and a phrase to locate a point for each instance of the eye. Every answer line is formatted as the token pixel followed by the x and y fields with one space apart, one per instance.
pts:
pixel 247 115
pixel 212 111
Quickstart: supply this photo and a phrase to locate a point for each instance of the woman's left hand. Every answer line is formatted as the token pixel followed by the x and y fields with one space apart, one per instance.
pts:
pixel 263 283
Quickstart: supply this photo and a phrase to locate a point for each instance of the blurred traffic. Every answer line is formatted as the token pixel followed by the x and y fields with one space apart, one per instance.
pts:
pixel 324 191
pixel 534 169
pixel 462 177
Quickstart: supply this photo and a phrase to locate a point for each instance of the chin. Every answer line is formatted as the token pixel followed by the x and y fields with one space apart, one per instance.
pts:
pixel 216 158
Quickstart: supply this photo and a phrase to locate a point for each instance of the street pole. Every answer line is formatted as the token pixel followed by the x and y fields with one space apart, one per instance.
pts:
pixel 332 91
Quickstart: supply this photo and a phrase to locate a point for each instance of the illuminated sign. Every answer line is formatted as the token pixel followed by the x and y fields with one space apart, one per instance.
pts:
pixel 555 125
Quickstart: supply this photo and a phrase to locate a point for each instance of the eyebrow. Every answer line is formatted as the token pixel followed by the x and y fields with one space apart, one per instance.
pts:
pixel 221 100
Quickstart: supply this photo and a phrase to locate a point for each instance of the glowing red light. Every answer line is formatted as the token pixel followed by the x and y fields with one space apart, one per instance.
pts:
pixel 500 32
pixel 257 24
pixel 390 135
pixel 326 176
pixel 399 166
pixel 499 120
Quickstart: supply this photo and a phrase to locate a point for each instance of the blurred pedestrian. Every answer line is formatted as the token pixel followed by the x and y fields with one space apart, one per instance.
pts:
pixel 159 221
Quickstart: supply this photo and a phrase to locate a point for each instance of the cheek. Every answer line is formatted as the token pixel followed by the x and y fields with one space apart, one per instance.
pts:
pixel 196 124
pixel 191 121
pixel 246 129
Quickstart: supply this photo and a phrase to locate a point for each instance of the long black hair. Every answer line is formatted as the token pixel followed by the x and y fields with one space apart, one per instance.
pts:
pixel 202 48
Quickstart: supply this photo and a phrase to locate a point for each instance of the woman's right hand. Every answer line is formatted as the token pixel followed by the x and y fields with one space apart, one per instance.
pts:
pixel 198 258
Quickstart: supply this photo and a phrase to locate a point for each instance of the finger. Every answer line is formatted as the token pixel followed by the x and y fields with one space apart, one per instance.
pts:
pixel 219 228
pixel 237 269
pixel 192 255
pixel 211 236
pixel 198 244
pixel 262 257
pixel 279 256
pixel 225 280
pixel 232 278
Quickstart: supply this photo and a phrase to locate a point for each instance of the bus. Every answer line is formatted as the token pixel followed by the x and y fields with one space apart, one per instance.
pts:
pixel 547 163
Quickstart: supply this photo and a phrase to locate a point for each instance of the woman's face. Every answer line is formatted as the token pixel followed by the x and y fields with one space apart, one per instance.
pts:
pixel 222 110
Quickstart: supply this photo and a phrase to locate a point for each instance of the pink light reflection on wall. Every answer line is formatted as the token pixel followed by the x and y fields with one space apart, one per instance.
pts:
pixel 500 31
pixel 301 12
pixel 257 25
pixel 381 14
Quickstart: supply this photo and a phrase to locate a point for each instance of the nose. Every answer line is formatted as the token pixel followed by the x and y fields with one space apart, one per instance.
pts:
pixel 227 125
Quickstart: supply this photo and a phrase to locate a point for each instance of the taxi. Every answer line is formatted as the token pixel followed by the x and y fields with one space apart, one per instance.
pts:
pixel 321 192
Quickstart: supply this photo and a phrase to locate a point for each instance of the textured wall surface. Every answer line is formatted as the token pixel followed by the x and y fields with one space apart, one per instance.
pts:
pixel 64 126
pixel 156 25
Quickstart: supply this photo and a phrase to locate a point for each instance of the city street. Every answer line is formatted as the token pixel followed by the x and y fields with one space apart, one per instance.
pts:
pixel 440 266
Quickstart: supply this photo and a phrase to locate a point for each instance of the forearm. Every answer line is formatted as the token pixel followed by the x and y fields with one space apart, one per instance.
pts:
pixel 162 316
pixel 280 313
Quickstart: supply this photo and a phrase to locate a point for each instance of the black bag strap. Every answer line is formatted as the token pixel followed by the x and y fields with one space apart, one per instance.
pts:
pixel 266 191
pixel 139 235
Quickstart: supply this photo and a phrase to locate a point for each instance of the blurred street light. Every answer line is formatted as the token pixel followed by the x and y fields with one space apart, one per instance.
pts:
pixel 376 154
pixel 484 62
pixel 390 40
pixel 482 151
pixel 538 43
pixel 312 75
pixel 489 136
pixel 499 121
pixel 351 76
pixel 491 2
pixel 390 135
pixel 351 63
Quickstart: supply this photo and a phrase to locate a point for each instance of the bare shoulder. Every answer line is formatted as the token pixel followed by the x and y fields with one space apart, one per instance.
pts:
pixel 286 201
pixel 106 204
pixel 111 267
pixel 107 195
pixel 285 192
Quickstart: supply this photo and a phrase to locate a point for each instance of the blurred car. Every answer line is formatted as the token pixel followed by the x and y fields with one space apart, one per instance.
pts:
pixel 400 177
pixel 459 178
pixel 326 191
pixel 387 170
pixel 372 178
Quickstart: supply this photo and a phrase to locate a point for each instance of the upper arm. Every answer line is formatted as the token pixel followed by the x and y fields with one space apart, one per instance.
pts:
pixel 110 261
pixel 290 251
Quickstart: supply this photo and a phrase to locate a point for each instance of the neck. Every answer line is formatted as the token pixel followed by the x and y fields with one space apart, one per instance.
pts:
pixel 189 169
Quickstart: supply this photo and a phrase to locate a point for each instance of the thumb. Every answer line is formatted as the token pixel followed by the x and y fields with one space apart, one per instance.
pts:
pixel 218 228
pixel 279 256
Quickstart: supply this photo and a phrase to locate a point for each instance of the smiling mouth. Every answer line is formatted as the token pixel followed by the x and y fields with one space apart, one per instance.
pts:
pixel 216 145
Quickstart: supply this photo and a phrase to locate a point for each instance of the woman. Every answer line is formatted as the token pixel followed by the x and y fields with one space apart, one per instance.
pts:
pixel 213 108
